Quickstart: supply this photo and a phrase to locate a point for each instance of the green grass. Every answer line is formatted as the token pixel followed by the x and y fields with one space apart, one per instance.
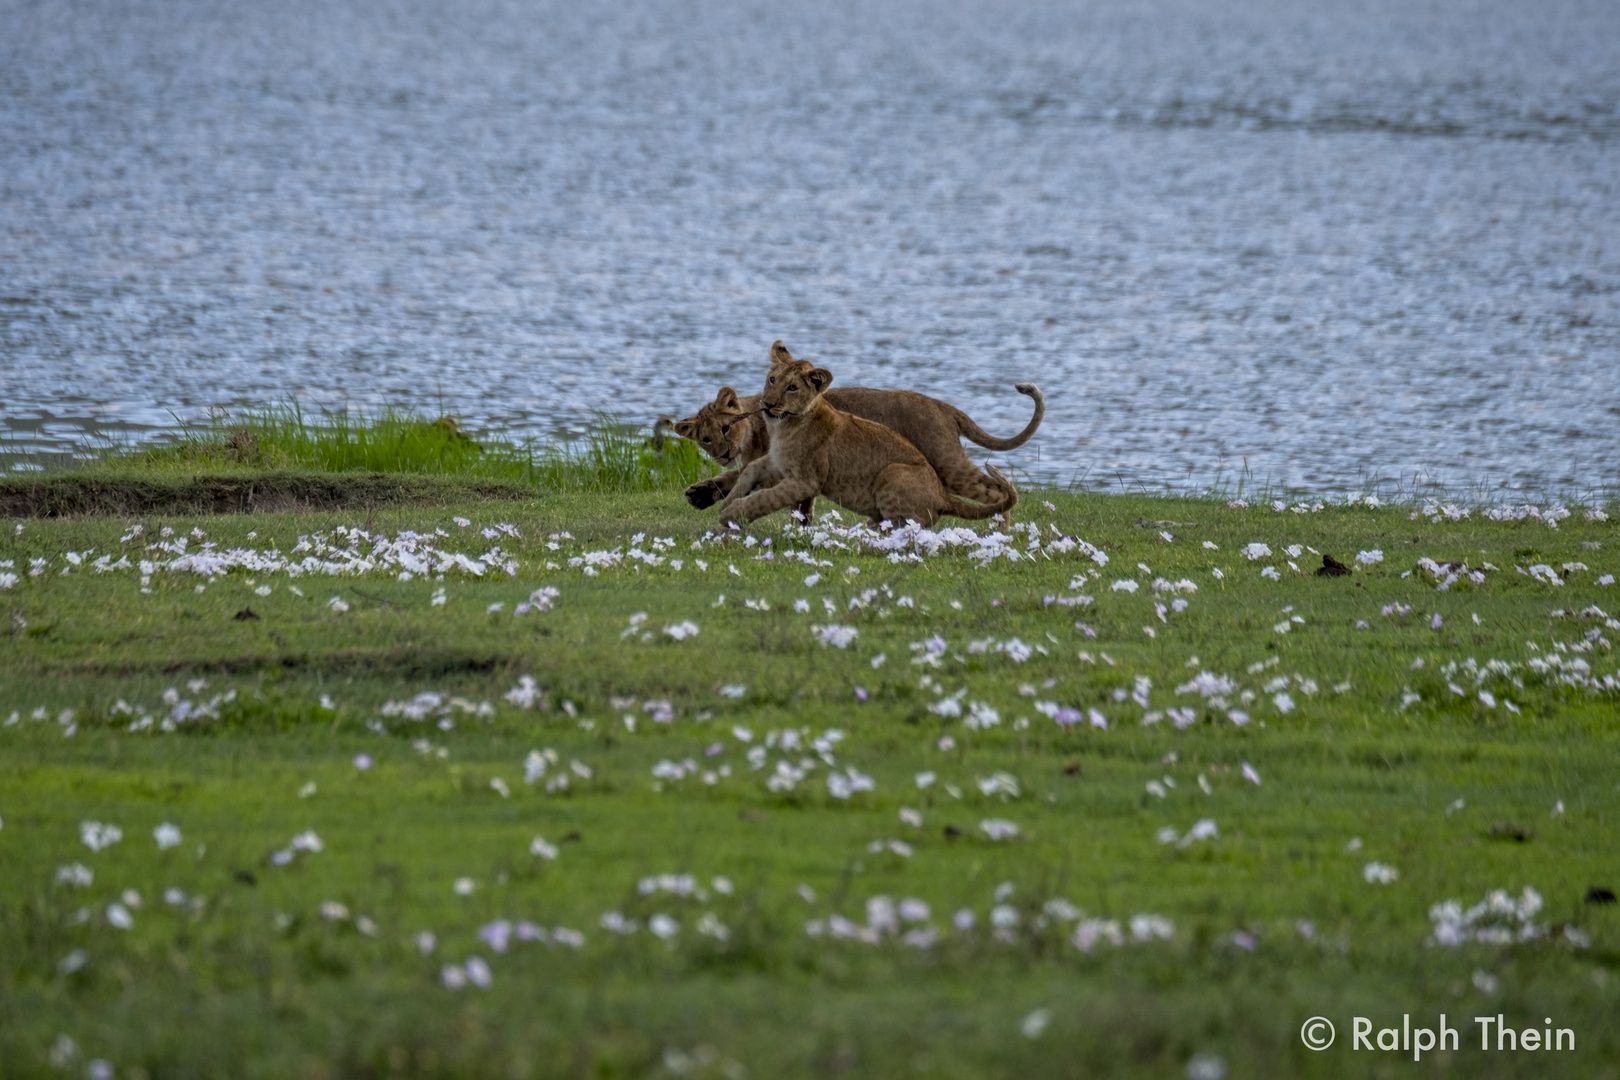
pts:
pixel 612 457
pixel 255 982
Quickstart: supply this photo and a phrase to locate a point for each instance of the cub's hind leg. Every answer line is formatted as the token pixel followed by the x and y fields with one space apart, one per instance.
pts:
pixel 909 493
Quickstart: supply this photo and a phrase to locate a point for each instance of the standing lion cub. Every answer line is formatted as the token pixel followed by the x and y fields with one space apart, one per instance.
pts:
pixel 862 466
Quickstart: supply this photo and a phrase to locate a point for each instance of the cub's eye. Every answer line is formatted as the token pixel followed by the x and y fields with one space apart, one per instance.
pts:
pixel 705 438
pixel 773 380
pixel 725 429
pixel 792 388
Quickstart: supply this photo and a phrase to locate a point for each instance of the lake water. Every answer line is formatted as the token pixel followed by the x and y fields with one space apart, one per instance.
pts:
pixel 1343 241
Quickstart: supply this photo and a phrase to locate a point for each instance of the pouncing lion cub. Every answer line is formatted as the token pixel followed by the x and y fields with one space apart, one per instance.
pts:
pixel 861 465
pixel 729 430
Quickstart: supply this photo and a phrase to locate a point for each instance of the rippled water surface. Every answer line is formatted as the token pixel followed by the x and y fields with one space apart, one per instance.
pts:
pixel 1339 240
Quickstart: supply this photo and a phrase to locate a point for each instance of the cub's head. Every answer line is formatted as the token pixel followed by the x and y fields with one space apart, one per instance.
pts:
pixel 718 427
pixel 792 386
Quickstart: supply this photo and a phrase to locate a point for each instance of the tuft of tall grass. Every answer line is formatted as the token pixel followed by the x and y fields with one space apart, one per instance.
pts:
pixel 612 457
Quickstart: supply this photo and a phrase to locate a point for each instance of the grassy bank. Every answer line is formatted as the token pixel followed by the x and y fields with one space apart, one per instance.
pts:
pixel 1364 747
pixel 279 459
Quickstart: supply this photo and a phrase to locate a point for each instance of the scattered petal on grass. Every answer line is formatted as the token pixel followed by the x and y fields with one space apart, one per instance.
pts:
pixel 497 935
pixel 167 836
pixel 1035 1023
pixel 96 836
pixel 998 829
pixel 836 635
pixel 464 886
pixel 1203 829
pixel 1377 873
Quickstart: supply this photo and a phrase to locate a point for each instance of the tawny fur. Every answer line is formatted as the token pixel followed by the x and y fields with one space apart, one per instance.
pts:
pixel 861 465
pixel 724 430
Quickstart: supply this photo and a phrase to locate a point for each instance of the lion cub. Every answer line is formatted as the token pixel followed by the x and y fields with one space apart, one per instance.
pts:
pixel 728 430
pixel 862 466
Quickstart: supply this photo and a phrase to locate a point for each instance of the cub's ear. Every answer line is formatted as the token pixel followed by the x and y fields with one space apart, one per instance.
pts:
pixel 779 353
pixel 727 398
pixel 820 378
pixel 686 428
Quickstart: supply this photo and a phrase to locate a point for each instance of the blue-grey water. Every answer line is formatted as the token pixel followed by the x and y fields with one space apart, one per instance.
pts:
pixel 1341 241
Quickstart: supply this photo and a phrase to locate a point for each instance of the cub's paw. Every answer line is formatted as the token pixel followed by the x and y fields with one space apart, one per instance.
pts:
pixel 704 494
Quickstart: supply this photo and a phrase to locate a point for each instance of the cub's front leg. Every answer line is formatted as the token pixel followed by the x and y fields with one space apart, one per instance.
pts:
pixel 757 473
pixel 705 493
pixel 788 492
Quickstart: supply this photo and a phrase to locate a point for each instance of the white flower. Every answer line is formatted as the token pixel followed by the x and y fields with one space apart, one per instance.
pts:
pixel 1203 829
pixel 682 630
pixel 1125 585
pixel 733 690
pixel 1090 931
pixel 97 836
pixel 981 715
pixel 337 605
pixel 1368 558
pixel 1035 1023
pixel 526 693
pixel 1001 783
pixel 1256 551
pixel 835 635
pixel 478 972
pixel 1378 873
pixel 118 916
pixel 998 829
pixel 1147 927
pixel 75 874
pixel 1004 916
pixel 332 911
pixel 1271 572
pixel 464 886
pixel 842 786
pixel 167 836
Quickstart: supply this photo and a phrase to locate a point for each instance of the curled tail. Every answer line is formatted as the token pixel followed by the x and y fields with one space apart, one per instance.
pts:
pixel 978 511
pixel 968 429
